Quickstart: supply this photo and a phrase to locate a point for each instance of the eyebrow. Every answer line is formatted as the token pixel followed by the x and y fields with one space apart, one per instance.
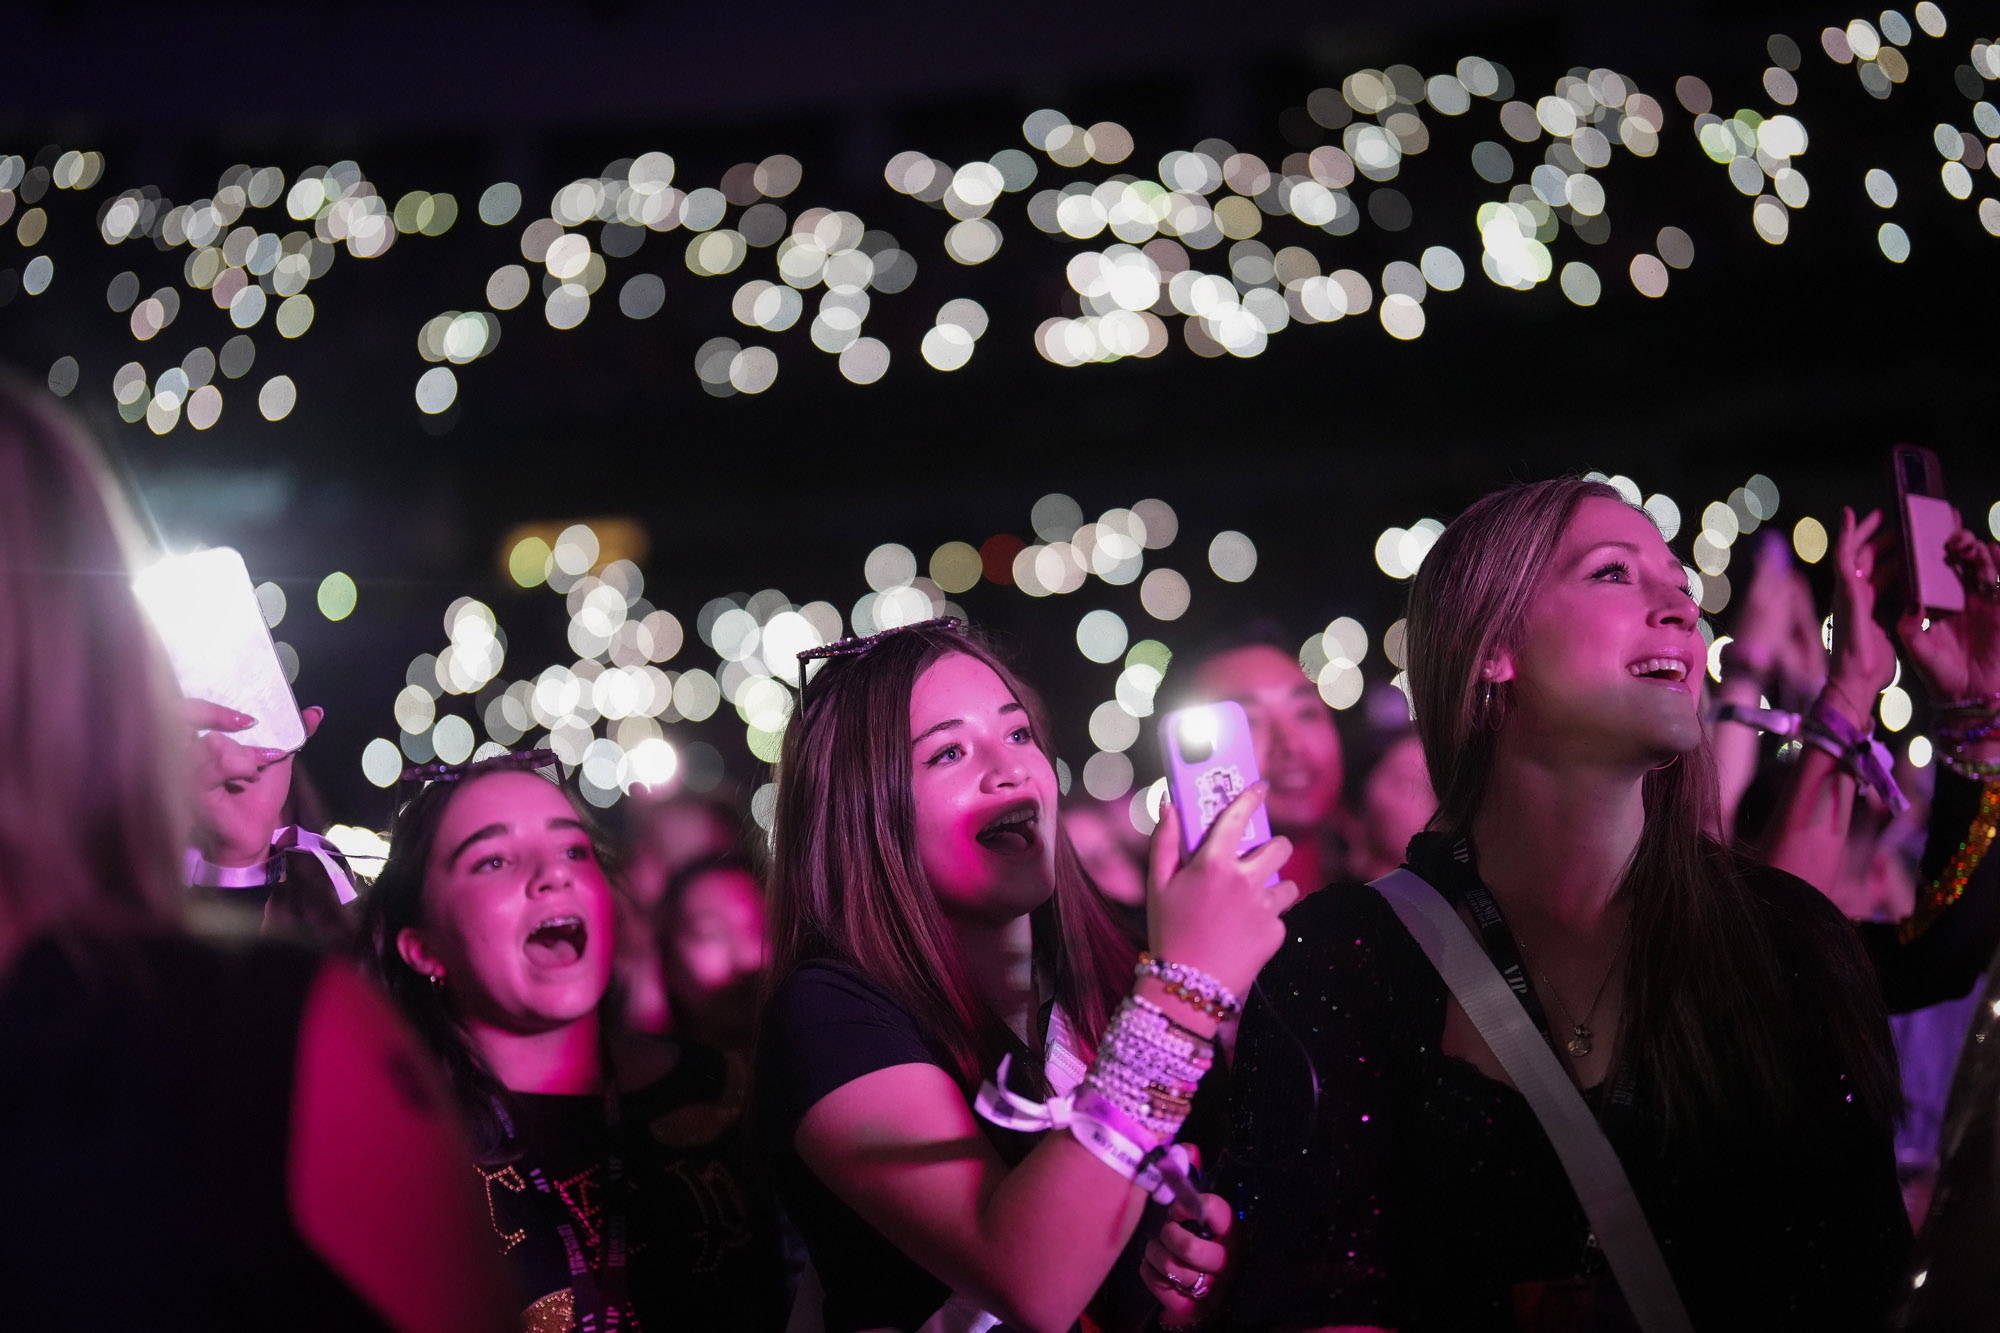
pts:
pixel 1630 548
pixel 1584 556
pixel 952 723
pixel 500 830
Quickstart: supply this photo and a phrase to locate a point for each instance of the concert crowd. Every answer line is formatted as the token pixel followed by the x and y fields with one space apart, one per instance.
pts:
pixel 1577 989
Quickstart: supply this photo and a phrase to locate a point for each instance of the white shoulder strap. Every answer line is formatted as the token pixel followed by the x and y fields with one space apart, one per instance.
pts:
pixel 1587 1156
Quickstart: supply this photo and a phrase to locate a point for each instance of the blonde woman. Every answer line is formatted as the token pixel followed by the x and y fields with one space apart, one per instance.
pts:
pixel 205 1138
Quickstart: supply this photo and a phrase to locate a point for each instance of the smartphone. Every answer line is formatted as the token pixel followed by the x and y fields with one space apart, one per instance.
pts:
pixel 1209 761
pixel 206 614
pixel 1927 520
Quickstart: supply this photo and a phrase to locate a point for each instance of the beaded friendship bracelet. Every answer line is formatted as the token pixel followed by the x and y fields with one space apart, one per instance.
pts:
pixel 1131 1102
pixel 1192 987
pixel 1950 884
pixel 1961 724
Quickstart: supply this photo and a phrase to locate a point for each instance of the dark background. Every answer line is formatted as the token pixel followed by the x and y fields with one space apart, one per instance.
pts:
pixel 1802 361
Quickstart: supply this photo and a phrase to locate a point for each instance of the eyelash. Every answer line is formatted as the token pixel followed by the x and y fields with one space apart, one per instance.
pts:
pixel 1021 735
pixel 581 851
pixel 1625 571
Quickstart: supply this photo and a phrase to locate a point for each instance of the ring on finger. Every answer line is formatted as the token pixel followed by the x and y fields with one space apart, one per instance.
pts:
pixel 1198 1288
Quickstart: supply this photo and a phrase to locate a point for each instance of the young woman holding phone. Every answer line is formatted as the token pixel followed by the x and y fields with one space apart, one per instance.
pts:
pixel 931 918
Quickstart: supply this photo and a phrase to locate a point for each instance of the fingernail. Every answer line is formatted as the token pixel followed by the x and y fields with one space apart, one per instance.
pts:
pixel 241 719
pixel 267 755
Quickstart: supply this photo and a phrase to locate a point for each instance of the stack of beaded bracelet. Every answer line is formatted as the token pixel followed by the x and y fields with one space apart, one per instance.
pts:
pixel 1943 891
pixel 1192 987
pixel 1962 723
pixel 1148 1067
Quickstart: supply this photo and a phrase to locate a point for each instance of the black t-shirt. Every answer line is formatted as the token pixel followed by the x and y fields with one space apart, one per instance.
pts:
pixel 1384 1182
pixel 146 1093
pixel 701 1248
pixel 826 1026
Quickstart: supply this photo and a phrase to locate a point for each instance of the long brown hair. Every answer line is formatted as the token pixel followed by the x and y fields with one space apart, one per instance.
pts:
pixel 846 880
pixel 91 790
pixel 1702 996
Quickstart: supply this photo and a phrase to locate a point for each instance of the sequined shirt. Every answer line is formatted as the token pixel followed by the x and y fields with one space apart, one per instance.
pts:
pixel 1381 1181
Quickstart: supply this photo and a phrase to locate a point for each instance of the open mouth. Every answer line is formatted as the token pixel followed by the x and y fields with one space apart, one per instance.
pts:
pixel 558 941
pixel 1671 669
pixel 1013 831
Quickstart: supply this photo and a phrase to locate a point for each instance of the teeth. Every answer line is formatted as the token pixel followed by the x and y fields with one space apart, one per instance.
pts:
pixel 1673 666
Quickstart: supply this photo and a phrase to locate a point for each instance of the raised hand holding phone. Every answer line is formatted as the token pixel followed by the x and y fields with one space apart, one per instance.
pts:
pixel 207 617
pixel 1212 909
pixel 1211 759
pixel 1928 522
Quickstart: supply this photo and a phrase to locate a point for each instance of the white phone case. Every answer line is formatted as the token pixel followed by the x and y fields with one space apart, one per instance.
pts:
pixel 206 614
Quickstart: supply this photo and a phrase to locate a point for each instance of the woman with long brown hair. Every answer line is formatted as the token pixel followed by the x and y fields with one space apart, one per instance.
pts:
pixel 1720 1019
pixel 932 921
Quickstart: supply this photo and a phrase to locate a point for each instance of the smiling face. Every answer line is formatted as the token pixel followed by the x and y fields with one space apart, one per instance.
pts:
pixel 1605 670
pixel 984 793
pixel 1291 727
pixel 517 913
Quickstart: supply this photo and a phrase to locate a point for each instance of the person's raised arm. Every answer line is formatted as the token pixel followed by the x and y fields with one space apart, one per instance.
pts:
pixel 1032 1244
pixel 1940 950
pixel 1808 835
pixel 1763 651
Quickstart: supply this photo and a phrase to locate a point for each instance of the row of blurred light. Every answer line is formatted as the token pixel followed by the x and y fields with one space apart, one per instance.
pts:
pixel 619 682
pixel 245 271
pixel 636 196
pixel 1127 295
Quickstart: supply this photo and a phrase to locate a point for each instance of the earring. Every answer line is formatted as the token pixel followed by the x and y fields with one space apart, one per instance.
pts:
pixel 1487 712
pixel 437 981
pixel 1661 768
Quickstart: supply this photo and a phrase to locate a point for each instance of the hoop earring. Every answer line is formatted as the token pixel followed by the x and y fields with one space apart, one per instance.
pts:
pixel 1488 713
pixel 1661 768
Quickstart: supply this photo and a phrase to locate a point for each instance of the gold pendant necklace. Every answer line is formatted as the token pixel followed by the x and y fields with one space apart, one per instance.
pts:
pixel 1581 1039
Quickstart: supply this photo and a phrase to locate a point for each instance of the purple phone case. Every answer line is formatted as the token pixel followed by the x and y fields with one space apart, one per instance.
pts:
pixel 1202 789
pixel 1928 521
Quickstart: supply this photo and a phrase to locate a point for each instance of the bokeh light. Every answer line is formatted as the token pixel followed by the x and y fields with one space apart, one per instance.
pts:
pixel 337 596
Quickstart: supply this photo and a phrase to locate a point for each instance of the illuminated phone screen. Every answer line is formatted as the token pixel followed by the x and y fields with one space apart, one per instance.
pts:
pixel 206 614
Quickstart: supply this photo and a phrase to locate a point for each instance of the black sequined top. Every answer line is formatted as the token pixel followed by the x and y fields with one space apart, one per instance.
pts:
pixel 1380 1181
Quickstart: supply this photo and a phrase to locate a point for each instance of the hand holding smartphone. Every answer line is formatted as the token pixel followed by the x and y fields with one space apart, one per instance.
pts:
pixel 1928 520
pixel 1210 760
pixel 205 611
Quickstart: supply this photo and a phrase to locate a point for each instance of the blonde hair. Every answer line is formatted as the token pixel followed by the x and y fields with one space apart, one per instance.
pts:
pixel 1702 947
pixel 91 800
